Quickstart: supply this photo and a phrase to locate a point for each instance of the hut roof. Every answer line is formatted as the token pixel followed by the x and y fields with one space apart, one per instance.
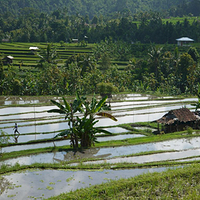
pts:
pixel 33 48
pixel 181 115
pixel 10 57
pixel 185 39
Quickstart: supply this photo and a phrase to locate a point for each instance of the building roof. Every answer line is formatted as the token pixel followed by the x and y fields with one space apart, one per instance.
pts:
pixel 10 57
pixel 33 48
pixel 74 40
pixel 185 39
pixel 181 115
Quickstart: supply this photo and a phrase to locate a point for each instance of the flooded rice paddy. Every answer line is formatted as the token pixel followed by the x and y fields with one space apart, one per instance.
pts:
pixel 47 183
pixel 185 147
pixel 35 124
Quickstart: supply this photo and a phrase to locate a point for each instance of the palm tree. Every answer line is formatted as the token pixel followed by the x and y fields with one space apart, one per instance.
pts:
pixel 48 55
pixel 155 55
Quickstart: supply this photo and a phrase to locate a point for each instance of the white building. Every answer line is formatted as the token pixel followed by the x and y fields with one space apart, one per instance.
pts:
pixel 184 41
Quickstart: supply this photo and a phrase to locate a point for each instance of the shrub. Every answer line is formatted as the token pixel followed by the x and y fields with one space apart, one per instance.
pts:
pixel 106 88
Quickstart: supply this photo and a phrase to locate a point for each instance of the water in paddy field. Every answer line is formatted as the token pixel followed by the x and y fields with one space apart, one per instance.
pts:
pixel 35 120
pixel 46 183
pixel 65 142
pixel 184 147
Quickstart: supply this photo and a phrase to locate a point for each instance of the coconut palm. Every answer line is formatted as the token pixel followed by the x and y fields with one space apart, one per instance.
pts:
pixel 155 55
pixel 48 55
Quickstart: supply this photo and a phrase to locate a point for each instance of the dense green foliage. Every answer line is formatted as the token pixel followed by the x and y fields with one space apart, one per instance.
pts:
pixel 88 7
pixel 165 70
pixel 33 26
pixel 121 39
pixel 39 21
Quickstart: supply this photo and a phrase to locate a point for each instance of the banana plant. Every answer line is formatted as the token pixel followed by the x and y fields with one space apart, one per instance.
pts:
pixel 87 131
pixel 69 110
pixel 95 107
pixel 197 104
pixel 82 129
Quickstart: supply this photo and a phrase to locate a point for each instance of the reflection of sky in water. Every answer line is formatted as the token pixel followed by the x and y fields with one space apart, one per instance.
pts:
pixel 15 110
pixel 34 183
pixel 144 128
pixel 28 115
pixel 179 144
pixel 30 122
pixel 20 102
pixel 152 158
pixel 59 143
pixel 133 117
pixel 153 102
pixel 150 110
pixel 119 137
pixel 34 146
pixel 102 122
pixel 26 138
pixel 130 106
pixel 189 159
pixel 39 128
pixel 116 130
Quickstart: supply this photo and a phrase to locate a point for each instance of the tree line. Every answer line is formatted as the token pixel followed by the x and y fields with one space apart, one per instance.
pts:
pixel 33 26
pixel 90 7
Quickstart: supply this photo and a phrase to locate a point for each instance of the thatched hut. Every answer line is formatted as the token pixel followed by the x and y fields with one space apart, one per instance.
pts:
pixel 8 60
pixel 178 120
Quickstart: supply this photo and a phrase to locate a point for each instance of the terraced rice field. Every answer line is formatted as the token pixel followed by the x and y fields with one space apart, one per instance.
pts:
pixel 24 57
pixel 36 124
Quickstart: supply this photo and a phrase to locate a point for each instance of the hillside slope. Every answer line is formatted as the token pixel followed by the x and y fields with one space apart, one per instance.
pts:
pixel 89 7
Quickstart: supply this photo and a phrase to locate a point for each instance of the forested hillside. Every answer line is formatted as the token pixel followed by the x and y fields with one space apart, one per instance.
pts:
pixel 91 7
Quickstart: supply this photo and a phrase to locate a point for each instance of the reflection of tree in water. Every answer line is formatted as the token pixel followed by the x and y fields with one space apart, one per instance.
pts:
pixel 87 153
pixel 9 100
pixel 76 155
pixel 4 184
